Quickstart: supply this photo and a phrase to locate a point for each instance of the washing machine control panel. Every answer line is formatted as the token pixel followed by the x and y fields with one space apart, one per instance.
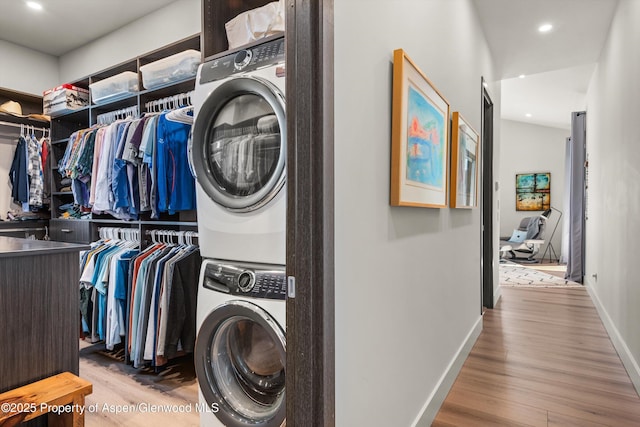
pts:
pixel 262 54
pixel 251 280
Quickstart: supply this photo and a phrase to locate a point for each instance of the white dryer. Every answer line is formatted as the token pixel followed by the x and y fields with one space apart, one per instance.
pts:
pixel 238 154
pixel 240 353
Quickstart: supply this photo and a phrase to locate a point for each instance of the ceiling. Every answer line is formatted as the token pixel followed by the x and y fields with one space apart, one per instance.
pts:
pixel 558 65
pixel 64 25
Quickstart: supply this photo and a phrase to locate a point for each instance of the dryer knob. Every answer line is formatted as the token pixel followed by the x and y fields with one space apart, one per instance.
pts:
pixel 246 280
pixel 242 59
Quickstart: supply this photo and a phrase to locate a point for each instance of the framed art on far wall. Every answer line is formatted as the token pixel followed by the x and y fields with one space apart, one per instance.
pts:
pixel 419 138
pixel 465 142
pixel 533 191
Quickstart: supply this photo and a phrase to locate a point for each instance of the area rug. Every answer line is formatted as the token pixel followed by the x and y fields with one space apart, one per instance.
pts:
pixel 512 274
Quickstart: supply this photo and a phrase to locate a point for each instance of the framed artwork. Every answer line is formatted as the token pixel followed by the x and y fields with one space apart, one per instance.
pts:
pixel 465 142
pixel 533 191
pixel 420 138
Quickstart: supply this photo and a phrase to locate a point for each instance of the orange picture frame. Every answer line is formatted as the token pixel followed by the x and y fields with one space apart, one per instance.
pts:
pixel 420 138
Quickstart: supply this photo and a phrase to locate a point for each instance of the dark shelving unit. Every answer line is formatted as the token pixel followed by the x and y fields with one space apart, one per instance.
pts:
pixel 63 125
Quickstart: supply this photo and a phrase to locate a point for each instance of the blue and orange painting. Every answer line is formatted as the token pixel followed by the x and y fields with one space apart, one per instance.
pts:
pixel 425 141
pixel 533 191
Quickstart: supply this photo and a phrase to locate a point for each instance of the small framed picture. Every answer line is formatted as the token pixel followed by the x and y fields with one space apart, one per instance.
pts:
pixel 465 144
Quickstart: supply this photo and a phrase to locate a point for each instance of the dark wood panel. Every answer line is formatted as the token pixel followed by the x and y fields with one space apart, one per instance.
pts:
pixel 310 208
pixel 38 317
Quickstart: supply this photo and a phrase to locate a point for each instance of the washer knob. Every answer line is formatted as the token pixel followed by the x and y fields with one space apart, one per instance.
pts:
pixel 242 59
pixel 246 281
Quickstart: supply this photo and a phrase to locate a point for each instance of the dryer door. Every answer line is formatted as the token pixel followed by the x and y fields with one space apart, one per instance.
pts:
pixel 240 363
pixel 239 144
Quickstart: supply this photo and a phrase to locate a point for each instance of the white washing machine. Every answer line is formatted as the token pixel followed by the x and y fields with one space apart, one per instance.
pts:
pixel 240 353
pixel 238 153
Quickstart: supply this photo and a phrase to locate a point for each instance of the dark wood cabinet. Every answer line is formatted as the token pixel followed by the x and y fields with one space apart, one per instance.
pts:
pixel 38 310
pixel 68 230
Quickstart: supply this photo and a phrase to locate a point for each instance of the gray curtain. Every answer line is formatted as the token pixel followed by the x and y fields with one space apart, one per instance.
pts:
pixel 566 202
pixel 575 258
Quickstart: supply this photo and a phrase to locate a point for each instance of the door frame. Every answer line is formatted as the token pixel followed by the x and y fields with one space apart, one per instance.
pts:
pixel 310 379
pixel 487 255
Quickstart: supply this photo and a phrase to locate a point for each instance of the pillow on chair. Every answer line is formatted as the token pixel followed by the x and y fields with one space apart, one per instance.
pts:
pixel 518 236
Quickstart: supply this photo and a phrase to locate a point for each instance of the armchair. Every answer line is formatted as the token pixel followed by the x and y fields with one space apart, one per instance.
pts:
pixel 526 240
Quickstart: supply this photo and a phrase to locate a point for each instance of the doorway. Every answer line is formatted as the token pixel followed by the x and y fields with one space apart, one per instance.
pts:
pixel 487 199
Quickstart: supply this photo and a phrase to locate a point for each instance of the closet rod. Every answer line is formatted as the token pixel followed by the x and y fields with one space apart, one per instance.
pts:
pixel 13 125
pixel 25 125
pixel 161 230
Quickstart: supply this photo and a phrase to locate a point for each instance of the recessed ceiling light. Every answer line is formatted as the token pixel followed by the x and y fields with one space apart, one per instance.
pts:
pixel 521 76
pixel 33 5
pixel 528 114
pixel 545 28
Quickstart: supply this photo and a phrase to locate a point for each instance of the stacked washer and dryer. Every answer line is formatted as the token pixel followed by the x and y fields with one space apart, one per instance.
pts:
pixel 238 157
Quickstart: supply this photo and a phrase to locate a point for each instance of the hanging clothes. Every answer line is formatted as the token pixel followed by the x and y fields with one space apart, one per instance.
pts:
pixel 18 175
pixel 26 174
pixel 46 166
pixel 34 170
pixel 130 167
pixel 176 186
pixel 163 303
pixel 143 299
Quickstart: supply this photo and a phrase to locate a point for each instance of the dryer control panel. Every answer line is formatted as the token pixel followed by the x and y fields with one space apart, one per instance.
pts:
pixel 249 280
pixel 262 54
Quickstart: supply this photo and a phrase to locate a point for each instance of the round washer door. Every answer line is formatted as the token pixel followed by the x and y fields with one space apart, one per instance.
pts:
pixel 239 144
pixel 240 361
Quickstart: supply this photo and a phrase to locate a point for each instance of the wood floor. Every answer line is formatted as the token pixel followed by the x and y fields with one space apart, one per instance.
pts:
pixel 543 359
pixel 125 396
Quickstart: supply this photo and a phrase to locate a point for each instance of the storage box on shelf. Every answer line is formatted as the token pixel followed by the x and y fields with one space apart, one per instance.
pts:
pixel 63 99
pixel 215 14
pixel 174 68
pixel 113 89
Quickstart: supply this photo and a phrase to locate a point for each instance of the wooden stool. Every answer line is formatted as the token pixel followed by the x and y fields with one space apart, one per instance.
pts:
pixel 41 397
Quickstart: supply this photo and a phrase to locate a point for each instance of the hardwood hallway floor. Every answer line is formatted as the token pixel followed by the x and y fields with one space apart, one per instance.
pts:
pixel 543 359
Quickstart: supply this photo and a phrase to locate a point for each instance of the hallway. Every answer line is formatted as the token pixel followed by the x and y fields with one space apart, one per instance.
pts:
pixel 542 359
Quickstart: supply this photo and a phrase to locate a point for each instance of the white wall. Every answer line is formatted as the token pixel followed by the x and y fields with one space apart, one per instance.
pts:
pixel 531 148
pixel 174 22
pixel 407 279
pixel 26 70
pixel 613 224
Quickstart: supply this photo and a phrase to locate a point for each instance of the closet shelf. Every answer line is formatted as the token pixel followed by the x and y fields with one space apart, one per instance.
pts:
pixel 80 113
pixel 170 88
pixel 116 104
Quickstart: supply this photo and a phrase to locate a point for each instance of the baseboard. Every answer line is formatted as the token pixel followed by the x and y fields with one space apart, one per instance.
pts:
pixel 629 362
pixel 496 295
pixel 434 402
